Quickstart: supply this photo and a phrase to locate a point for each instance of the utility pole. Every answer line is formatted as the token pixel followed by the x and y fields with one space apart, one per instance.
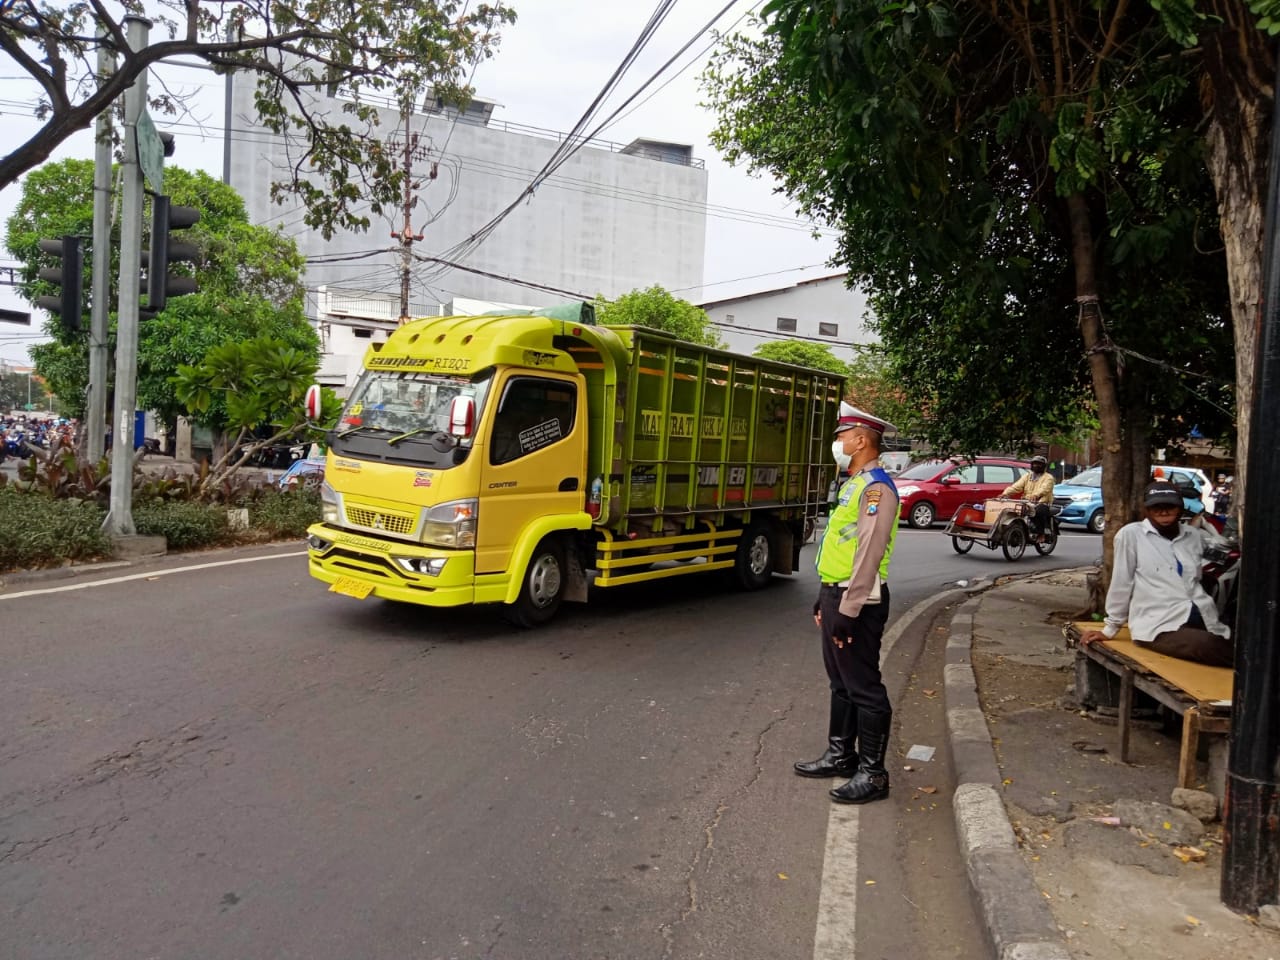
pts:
pixel 407 236
pixel 99 353
pixel 119 522
pixel 1251 810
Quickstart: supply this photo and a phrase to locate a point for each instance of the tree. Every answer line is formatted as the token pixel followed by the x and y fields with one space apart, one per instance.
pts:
pixel 998 180
pixel 17 389
pixel 249 281
pixel 815 355
pixel 659 310
pixel 366 50
pixel 246 386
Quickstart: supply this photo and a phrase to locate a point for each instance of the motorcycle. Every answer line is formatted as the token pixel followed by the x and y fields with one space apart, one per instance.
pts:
pixel 1220 575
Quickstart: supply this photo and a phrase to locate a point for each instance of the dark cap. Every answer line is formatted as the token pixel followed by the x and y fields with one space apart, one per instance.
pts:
pixel 1161 494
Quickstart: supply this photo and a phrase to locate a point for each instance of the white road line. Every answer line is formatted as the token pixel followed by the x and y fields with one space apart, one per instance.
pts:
pixel 149 575
pixel 835 937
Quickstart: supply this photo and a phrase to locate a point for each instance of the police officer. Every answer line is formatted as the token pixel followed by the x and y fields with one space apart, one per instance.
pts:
pixel 852 607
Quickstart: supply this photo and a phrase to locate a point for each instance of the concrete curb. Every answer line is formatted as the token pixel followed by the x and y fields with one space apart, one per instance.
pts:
pixel 1018 922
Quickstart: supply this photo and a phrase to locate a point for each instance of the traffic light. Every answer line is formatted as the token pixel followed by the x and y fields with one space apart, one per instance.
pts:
pixel 70 276
pixel 161 284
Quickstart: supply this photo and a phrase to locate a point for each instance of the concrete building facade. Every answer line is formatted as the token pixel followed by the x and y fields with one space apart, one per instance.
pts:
pixel 823 311
pixel 613 218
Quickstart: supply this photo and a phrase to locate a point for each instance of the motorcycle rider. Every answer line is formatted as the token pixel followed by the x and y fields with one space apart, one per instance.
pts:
pixel 1035 487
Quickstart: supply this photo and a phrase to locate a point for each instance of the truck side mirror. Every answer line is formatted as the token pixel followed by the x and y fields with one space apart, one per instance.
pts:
pixel 313 403
pixel 462 417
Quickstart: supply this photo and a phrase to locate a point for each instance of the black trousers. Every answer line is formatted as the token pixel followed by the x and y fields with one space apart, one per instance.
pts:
pixel 854 669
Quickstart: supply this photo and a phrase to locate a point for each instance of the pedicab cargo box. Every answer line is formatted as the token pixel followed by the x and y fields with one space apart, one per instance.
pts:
pixel 993 508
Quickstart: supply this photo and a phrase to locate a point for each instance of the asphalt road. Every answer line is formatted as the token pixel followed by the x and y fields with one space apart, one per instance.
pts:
pixel 230 762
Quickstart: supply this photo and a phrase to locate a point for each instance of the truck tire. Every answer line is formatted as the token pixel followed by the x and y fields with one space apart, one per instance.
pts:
pixel 753 562
pixel 542 590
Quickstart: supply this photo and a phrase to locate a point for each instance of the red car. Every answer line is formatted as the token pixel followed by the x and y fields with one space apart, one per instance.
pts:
pixel 934 489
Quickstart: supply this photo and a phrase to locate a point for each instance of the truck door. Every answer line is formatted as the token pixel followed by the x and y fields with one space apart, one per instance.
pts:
pixel 535 458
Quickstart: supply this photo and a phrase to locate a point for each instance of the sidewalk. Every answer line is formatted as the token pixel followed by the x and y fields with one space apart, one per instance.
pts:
pixel 1041 789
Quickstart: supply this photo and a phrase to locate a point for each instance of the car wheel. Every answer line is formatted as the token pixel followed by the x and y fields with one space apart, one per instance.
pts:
pixel 543 588
pixel 1015 541
pixel 921 515
pixel 961 544
pixel 1097 521
pixel 753 563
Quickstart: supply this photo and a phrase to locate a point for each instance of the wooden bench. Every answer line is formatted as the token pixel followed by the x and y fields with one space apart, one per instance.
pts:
pixel 1200 694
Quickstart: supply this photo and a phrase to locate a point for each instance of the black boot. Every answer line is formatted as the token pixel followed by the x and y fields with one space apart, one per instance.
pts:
pixel 871 782
pixel 840 759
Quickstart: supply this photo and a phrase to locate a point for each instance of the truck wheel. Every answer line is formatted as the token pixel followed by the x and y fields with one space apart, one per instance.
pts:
pixel 753 563
pixel 1097 521
pixel 543 586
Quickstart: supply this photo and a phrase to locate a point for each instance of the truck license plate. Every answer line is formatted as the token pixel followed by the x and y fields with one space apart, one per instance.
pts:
pixel 351 587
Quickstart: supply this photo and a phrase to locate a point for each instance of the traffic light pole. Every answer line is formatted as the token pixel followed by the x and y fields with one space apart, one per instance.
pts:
pixel 119 522
pixel 1251 812
pixel 99 351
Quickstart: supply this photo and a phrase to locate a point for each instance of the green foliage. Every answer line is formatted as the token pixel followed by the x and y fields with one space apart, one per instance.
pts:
pixel 38 531
pixel 183 525
pixel 403 52
pixel 947 151
pixel 815 355
pixel 657 309
pixel 249 277
pixel 250 388
pixel 15 388
pixel 285 513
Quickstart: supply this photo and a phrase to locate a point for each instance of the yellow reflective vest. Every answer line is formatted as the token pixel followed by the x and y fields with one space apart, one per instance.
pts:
pixel 840 540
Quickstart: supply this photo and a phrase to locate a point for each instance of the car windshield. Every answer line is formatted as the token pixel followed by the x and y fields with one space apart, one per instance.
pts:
pixel 921 471
pixel 1087 478
pixel 404 417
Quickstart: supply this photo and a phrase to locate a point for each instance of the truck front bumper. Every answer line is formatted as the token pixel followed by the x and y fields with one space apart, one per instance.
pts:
pixel 388 567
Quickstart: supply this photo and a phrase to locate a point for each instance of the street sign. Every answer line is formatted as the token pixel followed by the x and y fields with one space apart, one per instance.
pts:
pixel 15 316
pixel 150 152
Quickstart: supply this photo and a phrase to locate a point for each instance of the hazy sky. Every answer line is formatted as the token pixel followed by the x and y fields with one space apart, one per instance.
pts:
pixel 550 66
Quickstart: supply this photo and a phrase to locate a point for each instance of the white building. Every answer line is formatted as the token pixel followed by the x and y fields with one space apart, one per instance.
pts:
pixel 613 218
pixel 823 310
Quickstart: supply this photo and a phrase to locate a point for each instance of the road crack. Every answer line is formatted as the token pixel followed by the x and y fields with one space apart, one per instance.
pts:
pixel 707 850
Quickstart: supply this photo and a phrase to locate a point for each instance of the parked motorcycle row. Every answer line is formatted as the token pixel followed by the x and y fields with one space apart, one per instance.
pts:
pixel 21 438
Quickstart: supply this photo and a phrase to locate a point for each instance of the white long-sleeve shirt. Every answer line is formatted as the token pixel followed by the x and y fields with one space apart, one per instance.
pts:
pixel 1156 580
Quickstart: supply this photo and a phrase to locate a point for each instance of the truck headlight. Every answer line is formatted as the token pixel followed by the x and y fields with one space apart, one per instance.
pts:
pixel 432 568
pixel 329 504
pixel 452 524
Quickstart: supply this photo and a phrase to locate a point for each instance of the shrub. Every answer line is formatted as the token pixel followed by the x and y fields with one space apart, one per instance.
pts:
pixel 183 525
pixel 38 531
pixel 285 513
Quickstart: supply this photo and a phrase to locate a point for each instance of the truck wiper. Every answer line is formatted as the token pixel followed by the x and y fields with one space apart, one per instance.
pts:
pixel 449 439
pixel 363 426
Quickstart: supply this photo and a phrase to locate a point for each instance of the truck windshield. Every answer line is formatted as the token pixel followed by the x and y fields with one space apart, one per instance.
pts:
pixel 404 418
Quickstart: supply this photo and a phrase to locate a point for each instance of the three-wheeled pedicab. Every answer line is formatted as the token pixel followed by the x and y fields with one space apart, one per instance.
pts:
pixel 1001 523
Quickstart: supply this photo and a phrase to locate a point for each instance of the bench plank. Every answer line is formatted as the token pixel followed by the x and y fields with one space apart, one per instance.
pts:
pixel 1202 694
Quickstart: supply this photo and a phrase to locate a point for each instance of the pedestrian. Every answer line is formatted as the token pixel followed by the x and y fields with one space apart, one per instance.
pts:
pixel 851 610
pixel 1155 586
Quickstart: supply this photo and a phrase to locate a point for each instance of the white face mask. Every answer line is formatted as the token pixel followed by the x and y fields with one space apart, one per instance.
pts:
pixel 842 459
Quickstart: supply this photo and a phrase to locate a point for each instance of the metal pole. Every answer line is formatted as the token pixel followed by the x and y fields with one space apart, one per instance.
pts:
pixel 99 351
pixel 1251 810
pixel 119 522
pixel 226 118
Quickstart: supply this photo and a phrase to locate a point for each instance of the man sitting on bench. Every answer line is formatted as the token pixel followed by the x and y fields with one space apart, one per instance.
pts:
pixel 1155 586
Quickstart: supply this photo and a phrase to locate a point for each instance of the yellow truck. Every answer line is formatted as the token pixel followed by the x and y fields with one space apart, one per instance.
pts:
pixel 502 459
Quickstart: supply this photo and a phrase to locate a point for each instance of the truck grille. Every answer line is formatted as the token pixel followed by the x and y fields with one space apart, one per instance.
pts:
pixel 380 520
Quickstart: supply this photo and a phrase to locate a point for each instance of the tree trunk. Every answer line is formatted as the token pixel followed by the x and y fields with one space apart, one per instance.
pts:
pixel 1237 95
pixel 1116 463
